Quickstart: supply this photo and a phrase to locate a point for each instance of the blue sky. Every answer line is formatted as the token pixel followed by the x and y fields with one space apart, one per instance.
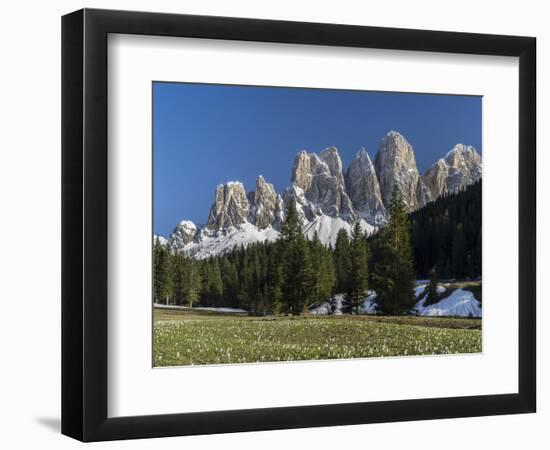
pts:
pixel 204 135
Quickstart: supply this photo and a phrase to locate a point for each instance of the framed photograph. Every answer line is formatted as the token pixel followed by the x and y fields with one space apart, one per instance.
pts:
pixel 273 224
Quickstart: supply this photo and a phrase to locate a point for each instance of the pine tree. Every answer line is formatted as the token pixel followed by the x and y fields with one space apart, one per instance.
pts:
pixel 358 275
pixel 179 282
pixel 323 271
pixel 192 280
pixel 431 295
pixel 274 280
pixel 393 278
pixel 458 254
pixel 297 280
pixel 215 283
pixel 342 261
pixel 161 273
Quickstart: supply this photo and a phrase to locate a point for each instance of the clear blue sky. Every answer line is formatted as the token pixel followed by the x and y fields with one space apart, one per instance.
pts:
pixel 204 135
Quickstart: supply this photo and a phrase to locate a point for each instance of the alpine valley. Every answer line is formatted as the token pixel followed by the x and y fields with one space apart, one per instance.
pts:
pixel 327 197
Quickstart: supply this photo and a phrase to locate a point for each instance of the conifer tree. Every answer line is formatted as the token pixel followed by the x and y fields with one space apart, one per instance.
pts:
pixel 323 271
pixel 342 261
pixel 161 273
pixel 358 276
pixel 192 280
pixel 297 282
pixel 432 296
pixel 458 253
pixel 179 282
pixel 274 280
pixel 393 278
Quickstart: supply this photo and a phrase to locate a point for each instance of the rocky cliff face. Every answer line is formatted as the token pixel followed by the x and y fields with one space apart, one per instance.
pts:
pixel 184 233
pixel 264 204
pixel 364 190
pixel 460 167
pixel 318 185
pixel 326 199
pixel 230 207
pixel 396 166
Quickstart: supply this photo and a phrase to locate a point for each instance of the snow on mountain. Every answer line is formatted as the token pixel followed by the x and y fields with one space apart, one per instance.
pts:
pixel 161 239
pixel 327 228
pixel 184 233
pixel 460 167
pixel 210 243
pixel 326 200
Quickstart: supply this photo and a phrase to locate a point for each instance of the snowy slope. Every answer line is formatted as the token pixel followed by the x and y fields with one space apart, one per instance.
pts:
pixel 210 243
pixel 327 228
pixel 161 239
pixel 216 243
pixel 458 303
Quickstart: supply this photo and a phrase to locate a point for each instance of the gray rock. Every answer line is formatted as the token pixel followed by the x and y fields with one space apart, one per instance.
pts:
pixel 460 167
pixel 364 190
pixel 230 207
pixel 396 166
pixel 318 185
pixel 183 233
pixel 263 204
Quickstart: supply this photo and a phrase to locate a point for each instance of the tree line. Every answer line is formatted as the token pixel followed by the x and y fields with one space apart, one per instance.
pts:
pixel 287 276
pixel 446 235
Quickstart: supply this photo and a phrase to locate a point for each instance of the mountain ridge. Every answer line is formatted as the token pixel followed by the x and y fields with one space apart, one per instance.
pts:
pixel 327 197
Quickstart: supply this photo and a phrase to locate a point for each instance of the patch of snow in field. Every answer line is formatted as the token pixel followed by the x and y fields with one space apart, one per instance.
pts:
pixel 460 303
pixel 338 304
pixel 419 290
pixel 321 310
pixel 200 308
pixel 370 306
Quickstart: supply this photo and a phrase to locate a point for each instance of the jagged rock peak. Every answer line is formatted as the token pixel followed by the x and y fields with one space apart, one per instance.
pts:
pixel 364 190
pixel 395 165
pixel 331 158
pixel 460 167
pixel 230 207
pixel 183 233
pixel 263 204
pixel 318 185
pixel 307 165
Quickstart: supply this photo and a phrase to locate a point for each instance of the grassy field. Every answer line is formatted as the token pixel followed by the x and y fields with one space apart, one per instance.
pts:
pixel 191 337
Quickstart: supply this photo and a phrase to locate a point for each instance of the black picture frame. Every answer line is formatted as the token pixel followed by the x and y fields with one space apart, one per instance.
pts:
pixel 84 224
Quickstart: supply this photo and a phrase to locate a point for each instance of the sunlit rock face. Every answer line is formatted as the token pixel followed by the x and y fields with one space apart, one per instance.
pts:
pixel 318 185
pixel 230 207
pixel 396 167
pixel 183 233
pixel 364 190
pixel 327 198
pixel 460 167
pixel 264 204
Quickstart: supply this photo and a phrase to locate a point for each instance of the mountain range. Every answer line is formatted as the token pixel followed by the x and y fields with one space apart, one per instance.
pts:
pixel 327 197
